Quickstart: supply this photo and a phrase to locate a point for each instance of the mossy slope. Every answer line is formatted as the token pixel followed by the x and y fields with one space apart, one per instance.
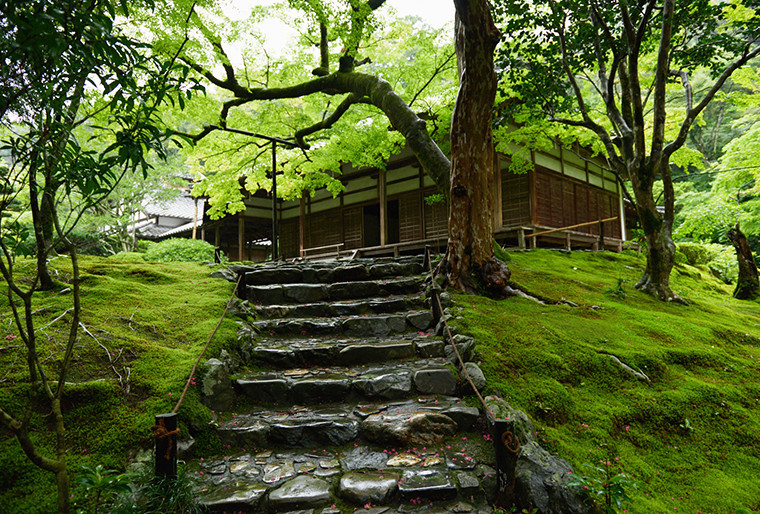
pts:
pixel 691 437
pixel 153 318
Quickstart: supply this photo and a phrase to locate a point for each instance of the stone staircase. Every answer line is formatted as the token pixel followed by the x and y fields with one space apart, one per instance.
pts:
pixel 345 401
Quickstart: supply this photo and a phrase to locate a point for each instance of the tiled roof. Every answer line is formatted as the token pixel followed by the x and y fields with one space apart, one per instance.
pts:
pixel 181 207
pixel 153 231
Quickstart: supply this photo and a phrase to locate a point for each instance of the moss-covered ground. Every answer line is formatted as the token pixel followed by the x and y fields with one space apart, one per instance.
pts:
pixel 690 437
pixel 153 319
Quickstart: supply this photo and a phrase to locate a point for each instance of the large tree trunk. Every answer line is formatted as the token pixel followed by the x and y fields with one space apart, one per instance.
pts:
pixel 747 285
pixel 658 229
pixel 473 158
pixel 661 251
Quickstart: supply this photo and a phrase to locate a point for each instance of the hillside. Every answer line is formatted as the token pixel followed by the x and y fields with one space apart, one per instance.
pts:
pixel 689 437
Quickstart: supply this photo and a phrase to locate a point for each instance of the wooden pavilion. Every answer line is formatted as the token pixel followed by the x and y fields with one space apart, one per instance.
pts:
pixel 387 212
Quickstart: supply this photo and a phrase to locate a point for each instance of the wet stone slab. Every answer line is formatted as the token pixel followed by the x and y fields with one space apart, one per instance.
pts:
pixel 428 484
pixel 368 486
pixel 436 381
pixel 244 497
pixel 363 458
pixel 299 493
pixel 277 471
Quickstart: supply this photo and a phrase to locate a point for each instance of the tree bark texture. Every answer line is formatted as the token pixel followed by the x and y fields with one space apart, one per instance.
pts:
pixel 470 247
pixel 658 233
pixel 41 222
pixel 747 284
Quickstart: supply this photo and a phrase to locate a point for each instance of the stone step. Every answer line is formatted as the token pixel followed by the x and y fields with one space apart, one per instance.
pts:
pixel 379 325
pixel 301 292
pixel 394 303
pixel 411 422
pixel 325 274
pixel 295 353
pixel 329 270
pixel 323 385
pixel 452 476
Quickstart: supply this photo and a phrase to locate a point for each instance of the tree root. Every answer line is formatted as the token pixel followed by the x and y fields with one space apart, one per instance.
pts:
pixel 639 375
pixel 658 290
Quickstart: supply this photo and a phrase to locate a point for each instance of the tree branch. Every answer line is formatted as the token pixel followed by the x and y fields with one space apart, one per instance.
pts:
pixel 661 79
pixel 686 86
pixel 438 70
pixel 587 121
pixel 693 113
pixel 22 436
pixel 329 121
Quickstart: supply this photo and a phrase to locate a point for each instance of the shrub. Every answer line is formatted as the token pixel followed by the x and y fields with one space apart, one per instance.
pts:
pixel 143 245
pixel 720 259
pixel 92 243
pixel 180 250
pixel 696 253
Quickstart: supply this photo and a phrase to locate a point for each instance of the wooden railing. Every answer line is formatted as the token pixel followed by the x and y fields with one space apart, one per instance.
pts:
pixel 337 247
pixel 601 223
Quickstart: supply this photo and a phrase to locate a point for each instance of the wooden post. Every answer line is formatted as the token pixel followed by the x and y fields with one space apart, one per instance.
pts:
pixel 568 247
pixel 166 445
pixel 506 447
pixel 383 207
pixel 275 229
pixel 521 238
pixel 302 225
pixel 601 235
pixel 195 219
pixel 241 237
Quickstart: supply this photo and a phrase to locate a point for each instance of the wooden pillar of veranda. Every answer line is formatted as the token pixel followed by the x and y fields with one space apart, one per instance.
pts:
pixel 383 209
pixel 241 237
pixel 302 225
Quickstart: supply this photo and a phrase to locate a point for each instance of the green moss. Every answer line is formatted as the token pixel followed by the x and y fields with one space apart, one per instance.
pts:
pixel 153 319
pixel 691 436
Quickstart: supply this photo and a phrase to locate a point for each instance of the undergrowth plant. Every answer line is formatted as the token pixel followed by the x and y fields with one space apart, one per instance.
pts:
pixel 98 487
pixel 180 250
pixel 151 494
pixel 604 487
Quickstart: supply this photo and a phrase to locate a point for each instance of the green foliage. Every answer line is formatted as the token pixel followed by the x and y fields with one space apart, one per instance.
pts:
pixel 165 495
pixel 435 199
pixel 98 486
pixel 602 486
pixel 697 254
pixel 618 291
pixel 180 250
pixel 125 307
pixel 418 63
pixel 719 259
pixel 17 237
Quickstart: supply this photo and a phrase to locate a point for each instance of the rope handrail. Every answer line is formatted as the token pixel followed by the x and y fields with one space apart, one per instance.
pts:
pixel 205 347
pixel 437 299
